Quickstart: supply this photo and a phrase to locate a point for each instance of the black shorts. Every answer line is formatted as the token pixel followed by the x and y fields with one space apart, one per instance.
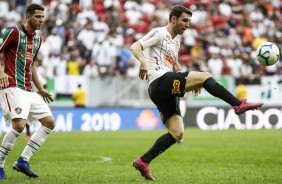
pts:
pixel 165 92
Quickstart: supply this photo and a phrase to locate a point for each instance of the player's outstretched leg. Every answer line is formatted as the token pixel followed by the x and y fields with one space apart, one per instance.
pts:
pixel 217 90
pixel 143 168
pixel 245 106
pixel 2 174
pixel 23 166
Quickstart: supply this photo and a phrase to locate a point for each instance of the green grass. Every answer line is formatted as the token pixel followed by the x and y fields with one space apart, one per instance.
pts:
pixel 230 156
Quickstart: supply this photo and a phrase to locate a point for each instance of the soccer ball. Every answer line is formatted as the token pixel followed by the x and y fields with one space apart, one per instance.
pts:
pixel 267 53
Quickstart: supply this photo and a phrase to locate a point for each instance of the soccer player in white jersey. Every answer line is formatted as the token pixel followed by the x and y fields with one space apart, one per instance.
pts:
pixel 20 104
pixel 167 83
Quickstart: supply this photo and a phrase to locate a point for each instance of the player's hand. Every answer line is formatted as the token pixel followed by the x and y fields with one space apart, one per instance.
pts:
pixel 4 79
pixel 196 92
pixel 47 97
pixel 143 70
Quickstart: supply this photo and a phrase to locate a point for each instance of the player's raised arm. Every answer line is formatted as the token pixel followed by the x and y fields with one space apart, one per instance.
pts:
pixel 137 51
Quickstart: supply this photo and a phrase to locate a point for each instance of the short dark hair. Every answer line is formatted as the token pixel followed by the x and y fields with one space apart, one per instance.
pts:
pixel 178 10
pixel 32 7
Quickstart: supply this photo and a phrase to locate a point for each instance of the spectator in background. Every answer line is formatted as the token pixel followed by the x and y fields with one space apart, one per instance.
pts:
pixel 101 29
pixel 4 8
pixel 225 68
pixel 13 17
pixel 243 24
pixel 87 36
pixel 246 69
pixel 79 97
pixel 55 43
pixel 235 62
pixel 103 57
pixel 215 65
pixel 50 64
pixel 85 4
pixel 91 70
pixel 241 90
pixel 161 13
pixel 73 65
pixel 123 61
pixel 189 38
pixel 200 15
pixel 61 66
pixel 86 15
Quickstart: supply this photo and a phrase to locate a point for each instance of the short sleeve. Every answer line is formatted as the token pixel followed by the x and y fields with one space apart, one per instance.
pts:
pixel 7 38
pixel 153 37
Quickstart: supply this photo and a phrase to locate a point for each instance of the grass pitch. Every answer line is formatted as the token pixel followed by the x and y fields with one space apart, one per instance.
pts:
pixel 231 156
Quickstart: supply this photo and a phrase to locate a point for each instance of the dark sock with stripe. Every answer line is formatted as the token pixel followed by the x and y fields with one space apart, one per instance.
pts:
pixel 217 90
pixel 162 143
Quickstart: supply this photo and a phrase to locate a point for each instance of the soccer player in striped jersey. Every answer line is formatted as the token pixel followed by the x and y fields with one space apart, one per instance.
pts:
pixel 159 63
pixel 20 104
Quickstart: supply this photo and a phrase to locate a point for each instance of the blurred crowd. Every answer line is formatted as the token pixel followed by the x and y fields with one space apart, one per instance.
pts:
pixel 92 37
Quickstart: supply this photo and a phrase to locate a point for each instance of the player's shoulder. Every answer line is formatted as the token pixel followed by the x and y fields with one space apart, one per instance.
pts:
pixel 11 31
pixel 158 31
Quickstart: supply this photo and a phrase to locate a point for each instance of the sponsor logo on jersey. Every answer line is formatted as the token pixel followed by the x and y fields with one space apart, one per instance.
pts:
pixel 6 117
pixel 36 45
pixel 176 87
pixel 29 55
pixel 29 46
pixel 18 110
pixel 22 33
pixel 20 55
pixel 36 36
pixel 169 59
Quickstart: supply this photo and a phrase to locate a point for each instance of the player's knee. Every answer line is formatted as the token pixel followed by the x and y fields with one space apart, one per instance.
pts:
pixel 19 129
pixel 175 127
pixel 178 135
pixel 49 123
pixel 18 124
pixel 206 75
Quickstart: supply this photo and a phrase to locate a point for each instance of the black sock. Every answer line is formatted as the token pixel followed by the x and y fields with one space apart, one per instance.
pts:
pixel 162 143
pixel 217 90
pixel 27 129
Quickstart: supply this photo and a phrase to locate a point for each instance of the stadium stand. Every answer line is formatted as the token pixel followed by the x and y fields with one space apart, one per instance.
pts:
pixel 229 29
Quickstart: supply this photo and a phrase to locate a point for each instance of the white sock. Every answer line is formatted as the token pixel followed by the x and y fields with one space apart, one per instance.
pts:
pixel 36 140
pixel 7 145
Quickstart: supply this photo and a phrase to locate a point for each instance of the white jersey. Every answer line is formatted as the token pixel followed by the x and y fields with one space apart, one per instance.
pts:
pixel 161 51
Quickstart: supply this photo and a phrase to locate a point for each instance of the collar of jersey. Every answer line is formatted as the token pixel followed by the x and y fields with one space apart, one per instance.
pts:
pixel 27 32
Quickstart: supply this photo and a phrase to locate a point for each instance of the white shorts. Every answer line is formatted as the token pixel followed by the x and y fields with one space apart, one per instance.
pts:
pixel 18 103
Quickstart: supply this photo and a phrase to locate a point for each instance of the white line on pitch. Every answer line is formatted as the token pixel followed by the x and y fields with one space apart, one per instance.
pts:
pixel 103 159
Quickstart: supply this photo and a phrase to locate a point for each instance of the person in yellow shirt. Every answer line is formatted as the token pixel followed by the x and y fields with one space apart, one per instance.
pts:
pixel 73 65
pixel 79 97
pixel 241 90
